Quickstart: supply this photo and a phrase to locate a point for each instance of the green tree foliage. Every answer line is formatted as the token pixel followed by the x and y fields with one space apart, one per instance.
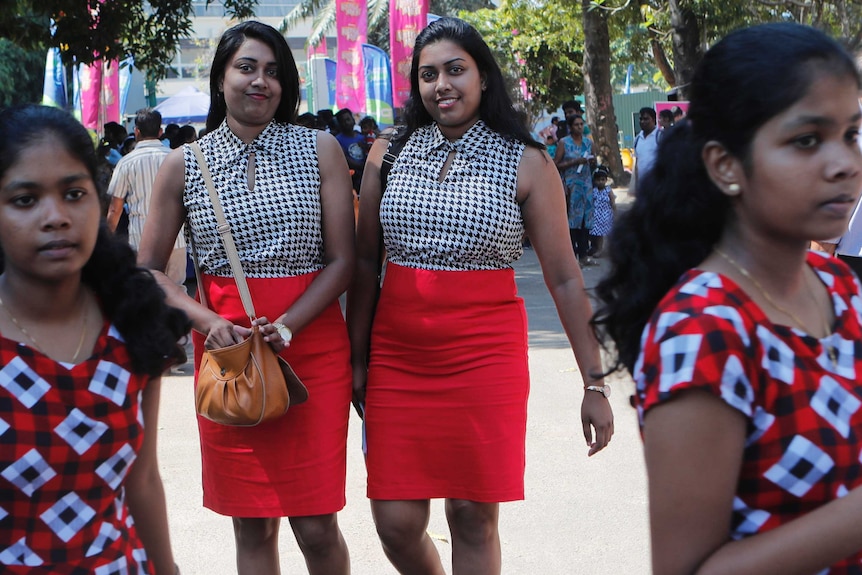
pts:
pixel 90 30
pixel 541 42
pixel 21 74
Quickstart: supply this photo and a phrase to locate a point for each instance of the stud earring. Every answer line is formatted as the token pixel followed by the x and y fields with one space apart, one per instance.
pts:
pixel 733 188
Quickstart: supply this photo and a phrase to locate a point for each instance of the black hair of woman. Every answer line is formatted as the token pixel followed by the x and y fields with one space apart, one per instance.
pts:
pixel 128 295
pixel 288 75
pixel 496 108
pixel 679 213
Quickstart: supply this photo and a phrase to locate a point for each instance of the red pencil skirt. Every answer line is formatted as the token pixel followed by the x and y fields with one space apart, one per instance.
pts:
pixel 295 465
pixel 446 404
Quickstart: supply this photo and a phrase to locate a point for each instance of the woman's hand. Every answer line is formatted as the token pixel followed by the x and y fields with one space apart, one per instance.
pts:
pixel 596 414
pixel 222 333
pixel 360 380
pixel 270 334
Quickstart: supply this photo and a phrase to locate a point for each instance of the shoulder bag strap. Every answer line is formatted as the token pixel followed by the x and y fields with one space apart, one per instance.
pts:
pixel 226 238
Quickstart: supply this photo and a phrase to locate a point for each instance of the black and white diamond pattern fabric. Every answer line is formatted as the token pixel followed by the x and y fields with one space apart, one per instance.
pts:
pixel 469 221
pixel 777 356
pixel 118 567
pixel 277 225
pixel 22 382
pixel 845 355
pixel 29 472
pixel 701 284
pixel 4 426
pixel 732 315
pixel 113 469
pixel 736 389
pixel 678 358
pixel 801 466
pixel 746 521
pixel 111 382
pixel 666 321
pixel 20 554
pixel 80 431
pixel 107 535
pixel 761 421
pixel 68 516
pixel 835 404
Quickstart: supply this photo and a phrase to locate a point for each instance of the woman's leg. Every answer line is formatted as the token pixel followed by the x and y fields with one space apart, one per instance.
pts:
pixel 256 545
pixel 597 243
pixel 322 544
pixel 402 526
pixel 475 538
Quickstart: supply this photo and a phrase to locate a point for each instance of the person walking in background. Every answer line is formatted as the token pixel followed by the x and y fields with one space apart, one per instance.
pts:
pixel 132 185
pixel 84 338
pixel 744 345
pixel 352 144
pixel 445 388
pixel 645 146
pixel 285 191
pixel 604 211
pixel 574 158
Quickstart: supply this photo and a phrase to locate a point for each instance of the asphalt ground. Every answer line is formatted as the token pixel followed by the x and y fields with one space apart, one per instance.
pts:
pixel 581 516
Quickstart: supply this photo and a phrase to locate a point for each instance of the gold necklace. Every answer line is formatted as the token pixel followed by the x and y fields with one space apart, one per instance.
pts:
pixel 36 343
pixel 830 350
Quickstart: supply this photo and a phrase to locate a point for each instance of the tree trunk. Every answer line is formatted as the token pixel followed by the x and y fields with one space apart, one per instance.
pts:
pixel 687 49
pixel 598 91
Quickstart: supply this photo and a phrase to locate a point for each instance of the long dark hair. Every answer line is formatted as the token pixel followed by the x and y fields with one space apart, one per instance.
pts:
pixel 129 295
pixel 288 76
pixel 679 214
pixel 496 108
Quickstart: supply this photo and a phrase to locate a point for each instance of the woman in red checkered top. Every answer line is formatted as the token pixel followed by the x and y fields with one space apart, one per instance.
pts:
pixel 84 337
pixel 744 345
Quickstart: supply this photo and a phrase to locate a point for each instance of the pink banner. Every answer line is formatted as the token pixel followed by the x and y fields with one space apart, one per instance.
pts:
pixel 406 19
pixel 91 95
pixel 111 91
pixel 100 94
pixel 351 20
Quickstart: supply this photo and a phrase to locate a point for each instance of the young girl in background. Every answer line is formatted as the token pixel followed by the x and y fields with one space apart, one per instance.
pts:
pixel 604 210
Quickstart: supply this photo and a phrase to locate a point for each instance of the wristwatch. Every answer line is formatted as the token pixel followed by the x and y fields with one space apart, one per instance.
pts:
pixel 283 331
pixel 603 389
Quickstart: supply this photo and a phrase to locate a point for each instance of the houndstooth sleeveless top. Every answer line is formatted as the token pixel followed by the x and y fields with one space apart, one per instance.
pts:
pixel 276 226
pixel 469 221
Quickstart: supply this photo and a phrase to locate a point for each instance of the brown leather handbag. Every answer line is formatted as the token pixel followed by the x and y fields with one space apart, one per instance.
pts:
pixel 246 383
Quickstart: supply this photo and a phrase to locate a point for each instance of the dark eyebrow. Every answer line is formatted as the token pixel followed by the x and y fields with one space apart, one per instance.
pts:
pixel 15 185
pixel 447 63
pixel 821 120
pixel 250 59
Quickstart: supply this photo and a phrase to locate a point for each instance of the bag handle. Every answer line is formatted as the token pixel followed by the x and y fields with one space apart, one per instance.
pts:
pixel 226 238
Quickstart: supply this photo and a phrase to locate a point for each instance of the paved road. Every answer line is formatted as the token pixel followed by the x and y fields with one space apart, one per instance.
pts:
pixel 581 515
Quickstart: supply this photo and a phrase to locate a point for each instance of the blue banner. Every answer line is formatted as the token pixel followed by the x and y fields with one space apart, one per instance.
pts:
pixel 378 85
pixel 331 79
pixel 54 88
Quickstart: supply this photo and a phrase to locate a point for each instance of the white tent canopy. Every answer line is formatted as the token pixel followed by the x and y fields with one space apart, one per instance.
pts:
pixel 188 106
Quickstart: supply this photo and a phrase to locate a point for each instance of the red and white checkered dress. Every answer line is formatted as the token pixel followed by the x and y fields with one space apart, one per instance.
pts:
pixel 68 437
pixel 804 437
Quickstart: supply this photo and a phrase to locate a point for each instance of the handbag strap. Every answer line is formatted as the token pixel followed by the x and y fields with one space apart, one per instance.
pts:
pixel 226 238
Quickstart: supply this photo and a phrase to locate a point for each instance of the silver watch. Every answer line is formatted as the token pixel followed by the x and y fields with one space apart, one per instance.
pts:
pixel 603 389
pixel 283 331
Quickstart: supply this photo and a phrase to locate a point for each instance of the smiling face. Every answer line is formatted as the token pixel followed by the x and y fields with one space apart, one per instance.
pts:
pixel 251 88
pixel 49 213
pixel 451 86
pixel 804 172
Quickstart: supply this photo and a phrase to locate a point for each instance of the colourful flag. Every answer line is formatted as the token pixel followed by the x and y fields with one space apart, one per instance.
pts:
pixel 378 85
pixel 351 20
pixel 406 19
pixel 90 78
pixel 54 87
